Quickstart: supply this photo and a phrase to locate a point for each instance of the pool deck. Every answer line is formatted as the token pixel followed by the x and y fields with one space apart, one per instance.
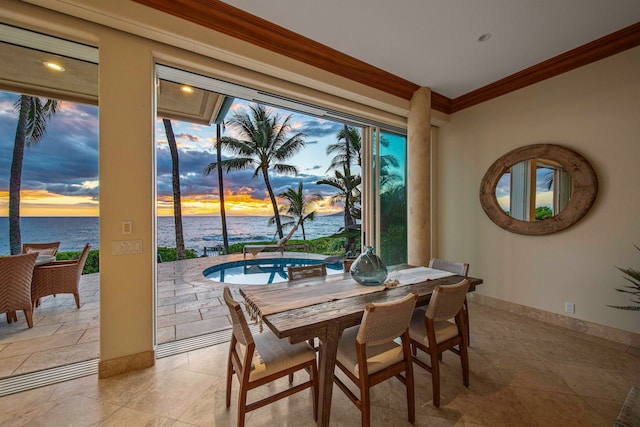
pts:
pixel 188 305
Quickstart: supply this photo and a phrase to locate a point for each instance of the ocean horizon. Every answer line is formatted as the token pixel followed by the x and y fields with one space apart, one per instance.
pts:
pixel 199 231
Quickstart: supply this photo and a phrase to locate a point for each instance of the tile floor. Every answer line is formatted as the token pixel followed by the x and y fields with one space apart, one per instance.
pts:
pixel 523 373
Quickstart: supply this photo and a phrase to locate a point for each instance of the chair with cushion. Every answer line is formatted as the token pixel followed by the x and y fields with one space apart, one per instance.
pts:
pixel 59 277
pixel 461 269
pixel 41 248
pixel 15 286
pixel 262 359
pixel 432 332
pixel 346 264
pixel 304 271
pixel 368 354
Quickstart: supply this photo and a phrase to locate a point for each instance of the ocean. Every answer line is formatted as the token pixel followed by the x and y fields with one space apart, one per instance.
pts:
pixel 199 231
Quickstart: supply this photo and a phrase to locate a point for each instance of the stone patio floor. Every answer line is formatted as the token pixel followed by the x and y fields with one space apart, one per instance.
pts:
pixel 188 305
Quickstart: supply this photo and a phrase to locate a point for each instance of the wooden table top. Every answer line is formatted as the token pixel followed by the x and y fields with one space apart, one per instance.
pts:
pixel 304 323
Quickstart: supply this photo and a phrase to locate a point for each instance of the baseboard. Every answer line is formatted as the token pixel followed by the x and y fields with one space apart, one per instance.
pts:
pixel 606 332
pixel 120 365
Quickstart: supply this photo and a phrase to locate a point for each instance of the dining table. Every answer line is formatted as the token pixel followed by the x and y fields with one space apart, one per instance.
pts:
pixel 323 307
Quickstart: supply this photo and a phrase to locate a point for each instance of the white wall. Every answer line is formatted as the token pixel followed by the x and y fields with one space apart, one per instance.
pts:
pixel 594 110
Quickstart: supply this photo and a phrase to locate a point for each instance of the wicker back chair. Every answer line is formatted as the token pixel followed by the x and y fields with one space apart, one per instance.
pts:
pixel 368 354
pixel 304 271
pixel 58 277
pixel 42 248
pixel 15 286
pixel 432 332
pixel 461 269
pixel 263 359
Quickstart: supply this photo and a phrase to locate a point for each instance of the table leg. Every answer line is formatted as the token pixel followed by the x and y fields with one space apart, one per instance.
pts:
pixel 328 351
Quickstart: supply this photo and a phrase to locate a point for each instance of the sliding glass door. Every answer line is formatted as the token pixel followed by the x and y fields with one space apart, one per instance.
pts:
pixel 385 194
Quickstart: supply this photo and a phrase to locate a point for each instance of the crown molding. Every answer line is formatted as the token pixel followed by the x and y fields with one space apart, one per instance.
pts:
pixel 222 17
pixel 596 50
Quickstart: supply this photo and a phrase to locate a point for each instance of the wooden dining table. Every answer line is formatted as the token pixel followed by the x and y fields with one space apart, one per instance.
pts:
pixel 327 320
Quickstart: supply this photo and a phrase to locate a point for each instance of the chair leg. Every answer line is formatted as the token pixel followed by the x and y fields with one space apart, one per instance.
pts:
pixel 411 399
pixel 365 406
pixel 14 314
pixel 242 405
pixel 435 377
pixel 229 377
pixel 29 315
pixel 9 317
pixel 464 361
pixel 314 390
pixel 465 316
pixel 76 296
pixel 291 378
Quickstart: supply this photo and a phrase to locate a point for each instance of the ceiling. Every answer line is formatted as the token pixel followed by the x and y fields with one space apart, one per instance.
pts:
pixel 435 43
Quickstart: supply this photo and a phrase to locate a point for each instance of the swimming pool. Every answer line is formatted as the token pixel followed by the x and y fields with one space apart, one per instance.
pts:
pixel 262 271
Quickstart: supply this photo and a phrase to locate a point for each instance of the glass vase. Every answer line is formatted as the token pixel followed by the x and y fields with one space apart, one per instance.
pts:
pixel 368 269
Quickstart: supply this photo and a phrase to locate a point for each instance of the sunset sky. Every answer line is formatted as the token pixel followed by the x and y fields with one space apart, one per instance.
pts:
pixel 56 184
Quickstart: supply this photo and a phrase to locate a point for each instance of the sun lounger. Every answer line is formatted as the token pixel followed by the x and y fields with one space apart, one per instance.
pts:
pixel 256 249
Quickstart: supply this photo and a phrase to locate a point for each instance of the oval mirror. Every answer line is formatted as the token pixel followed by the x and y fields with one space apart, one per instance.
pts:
pixel 538 189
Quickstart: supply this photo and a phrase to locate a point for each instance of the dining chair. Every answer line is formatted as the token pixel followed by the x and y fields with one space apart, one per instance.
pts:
pixel 432 332
pixel 50 248
pixel 368 354
pixel 59 277
pixel 304 271
pixel 461 269
pixel 262 359
pixel 15 286
pixel 346 264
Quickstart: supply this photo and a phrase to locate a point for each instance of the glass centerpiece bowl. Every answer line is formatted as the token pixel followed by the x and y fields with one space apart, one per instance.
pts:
pixel 368 269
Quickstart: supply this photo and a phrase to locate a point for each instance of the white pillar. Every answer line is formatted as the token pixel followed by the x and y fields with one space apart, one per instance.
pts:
pixel 419 178
pixel 127 193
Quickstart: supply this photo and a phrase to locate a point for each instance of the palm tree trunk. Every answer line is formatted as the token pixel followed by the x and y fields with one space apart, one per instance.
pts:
pixel 175 172
pixel 223 213
pixel 304 235
pixel 276 213
pixel 15 182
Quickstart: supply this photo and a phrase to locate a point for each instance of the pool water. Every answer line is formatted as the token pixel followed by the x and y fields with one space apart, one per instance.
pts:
pixel 262 271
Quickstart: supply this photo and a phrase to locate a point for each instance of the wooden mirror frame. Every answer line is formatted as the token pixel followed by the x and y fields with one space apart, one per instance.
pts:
pixel 583 181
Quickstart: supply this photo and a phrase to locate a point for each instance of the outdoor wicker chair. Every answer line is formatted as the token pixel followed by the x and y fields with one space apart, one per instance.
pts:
pixel 41 248
pixel 15 286
pixel 58 277
pixel 368 354
pixel 433 333
pixel 263 359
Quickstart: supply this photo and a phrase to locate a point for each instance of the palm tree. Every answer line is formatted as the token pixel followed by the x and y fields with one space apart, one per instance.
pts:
pixel 346 149
pixel 262 143
pixel 175 174
pixel 348 193
pixel 218 165
pixel 296 211
pixel 33 114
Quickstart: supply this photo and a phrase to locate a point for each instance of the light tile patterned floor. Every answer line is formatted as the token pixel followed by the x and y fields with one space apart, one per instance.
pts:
pixel 523 373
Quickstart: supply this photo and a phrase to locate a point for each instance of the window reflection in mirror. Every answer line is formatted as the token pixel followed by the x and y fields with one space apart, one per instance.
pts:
pixel 534 190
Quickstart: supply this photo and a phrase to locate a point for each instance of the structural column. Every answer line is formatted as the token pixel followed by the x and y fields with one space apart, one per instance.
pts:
pixel 419 177
pixel 127 201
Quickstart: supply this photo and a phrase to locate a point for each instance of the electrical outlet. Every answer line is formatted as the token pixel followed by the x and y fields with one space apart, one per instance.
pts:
pixel 569 307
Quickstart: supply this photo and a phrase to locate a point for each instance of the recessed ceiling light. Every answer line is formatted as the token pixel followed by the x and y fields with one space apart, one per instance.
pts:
pixel 186 89
pixel 484 37
pixel 53 66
